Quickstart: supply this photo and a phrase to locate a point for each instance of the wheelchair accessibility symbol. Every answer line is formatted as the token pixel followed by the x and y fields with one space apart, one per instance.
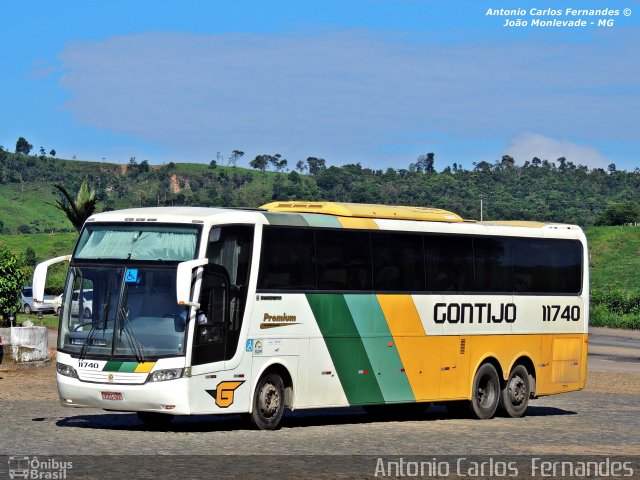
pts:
pixel 131 276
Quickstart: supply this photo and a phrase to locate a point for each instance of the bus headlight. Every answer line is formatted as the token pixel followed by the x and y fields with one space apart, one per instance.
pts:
pixel 66 370
pixel 164 375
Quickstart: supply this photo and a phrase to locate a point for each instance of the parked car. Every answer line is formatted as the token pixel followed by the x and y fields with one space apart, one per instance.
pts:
pixel 29 306
pixel 57 303
pixel 87 303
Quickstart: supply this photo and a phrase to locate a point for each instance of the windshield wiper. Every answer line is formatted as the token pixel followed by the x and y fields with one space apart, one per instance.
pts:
pixel 134 342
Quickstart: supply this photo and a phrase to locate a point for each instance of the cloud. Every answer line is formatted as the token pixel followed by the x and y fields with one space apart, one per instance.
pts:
pixel 525 146
pixel 346 96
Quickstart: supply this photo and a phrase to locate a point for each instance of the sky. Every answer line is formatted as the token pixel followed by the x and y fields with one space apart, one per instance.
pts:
pixel 376 82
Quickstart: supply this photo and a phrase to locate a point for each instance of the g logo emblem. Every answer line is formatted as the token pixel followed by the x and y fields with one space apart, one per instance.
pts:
pixel 224 393
pixel 110 377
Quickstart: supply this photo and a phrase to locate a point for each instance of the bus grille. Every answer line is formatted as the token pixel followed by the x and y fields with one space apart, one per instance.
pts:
pixel 116 377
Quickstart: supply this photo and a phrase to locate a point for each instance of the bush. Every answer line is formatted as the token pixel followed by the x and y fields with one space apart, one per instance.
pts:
pixel 601 317
pixel 13 276
pixel 615 308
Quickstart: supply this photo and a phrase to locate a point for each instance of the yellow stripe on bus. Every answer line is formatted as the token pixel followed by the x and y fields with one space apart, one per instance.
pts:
pixel 144 367
pixel 410 338
pixel 362 223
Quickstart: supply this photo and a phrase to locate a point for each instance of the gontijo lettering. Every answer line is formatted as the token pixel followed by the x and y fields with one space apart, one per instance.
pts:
pixel 474 313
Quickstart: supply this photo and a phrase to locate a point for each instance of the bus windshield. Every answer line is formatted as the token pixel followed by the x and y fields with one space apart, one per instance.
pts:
pixel 116 311
pixel 137 242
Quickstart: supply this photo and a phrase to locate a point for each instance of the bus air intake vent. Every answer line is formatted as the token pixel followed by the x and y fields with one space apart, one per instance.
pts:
pixel 463 345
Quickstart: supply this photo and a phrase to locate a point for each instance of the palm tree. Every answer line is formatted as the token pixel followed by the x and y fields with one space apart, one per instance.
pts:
pixel 80 208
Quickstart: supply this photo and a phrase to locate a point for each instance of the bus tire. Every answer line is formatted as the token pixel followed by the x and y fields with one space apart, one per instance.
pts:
pixel 485 395
pixel 514 397
pixel 268 402
pixel 155 420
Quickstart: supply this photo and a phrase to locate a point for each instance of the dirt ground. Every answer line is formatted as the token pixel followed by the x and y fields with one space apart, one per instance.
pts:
pixel 40 383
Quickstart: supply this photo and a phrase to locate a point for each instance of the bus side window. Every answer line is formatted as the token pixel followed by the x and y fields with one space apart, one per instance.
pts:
pixel 398 262
pixel 344 260
pixel 449 262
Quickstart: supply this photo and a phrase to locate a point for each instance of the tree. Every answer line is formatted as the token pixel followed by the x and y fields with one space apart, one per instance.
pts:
pixel 143 167
pixel 213 164
pixel 22 146
pixel 619 214
pixel 43 153
pixel 424 164
pixel 278 162
pixel 30 257
pixel 1 226
pixel 52 152
pixel 301 167
pixel 14 276
pixel 507 161
pixel 260 162
pixel 77 209
pixel 316 165
pixel 235 155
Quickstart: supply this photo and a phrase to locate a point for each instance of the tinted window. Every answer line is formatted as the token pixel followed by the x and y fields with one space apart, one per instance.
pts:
pixel 449 262
pixel 530 265
pixel 398 262
pixel 287 261
pixel 344 260
pixel 493 265
pixel 566 266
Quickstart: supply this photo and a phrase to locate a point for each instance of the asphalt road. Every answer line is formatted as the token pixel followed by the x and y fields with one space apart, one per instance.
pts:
pixel 603 420
pixel 614 350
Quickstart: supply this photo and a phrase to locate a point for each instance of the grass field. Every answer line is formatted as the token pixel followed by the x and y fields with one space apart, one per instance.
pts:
pixel 615 257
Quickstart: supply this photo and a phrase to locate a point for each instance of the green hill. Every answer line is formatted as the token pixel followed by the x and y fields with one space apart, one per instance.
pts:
pixel 535 191
pixel 615 257
pixel 615 283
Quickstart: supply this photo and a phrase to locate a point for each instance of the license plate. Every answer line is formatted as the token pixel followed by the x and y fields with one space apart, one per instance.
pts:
pixel 112 396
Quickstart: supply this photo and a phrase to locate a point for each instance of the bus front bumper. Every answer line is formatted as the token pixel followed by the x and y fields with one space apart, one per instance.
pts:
pixel 170 397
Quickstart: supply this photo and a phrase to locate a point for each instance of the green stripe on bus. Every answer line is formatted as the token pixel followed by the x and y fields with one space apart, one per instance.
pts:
pixel 346 348
pixel 112 366
pixel 288 219
pixel 380 348
pixel 325 221
pixel 127 367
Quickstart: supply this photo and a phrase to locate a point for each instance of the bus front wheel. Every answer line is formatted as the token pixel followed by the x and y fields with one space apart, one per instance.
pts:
pixel 268 402
pixel 486 392
pixel 514 397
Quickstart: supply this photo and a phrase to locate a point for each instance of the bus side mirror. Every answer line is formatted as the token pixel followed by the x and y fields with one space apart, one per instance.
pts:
pixel 184 278
pixel 40 276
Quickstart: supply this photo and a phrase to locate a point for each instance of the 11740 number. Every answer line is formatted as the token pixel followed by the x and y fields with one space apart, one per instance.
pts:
pixel 551 313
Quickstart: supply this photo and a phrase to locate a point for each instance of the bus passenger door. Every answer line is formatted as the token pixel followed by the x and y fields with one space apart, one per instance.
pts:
pixel 212 319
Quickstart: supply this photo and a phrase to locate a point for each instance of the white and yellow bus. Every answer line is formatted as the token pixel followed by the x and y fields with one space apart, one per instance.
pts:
pixel 318 304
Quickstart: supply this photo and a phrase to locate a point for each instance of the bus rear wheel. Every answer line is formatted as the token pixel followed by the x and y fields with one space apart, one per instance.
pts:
pixel 514 397
pixel 486 392
pixel 268 402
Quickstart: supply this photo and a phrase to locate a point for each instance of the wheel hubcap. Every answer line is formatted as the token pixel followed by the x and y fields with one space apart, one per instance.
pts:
pixel 516 390
pixel 485 392
pixel 269 400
